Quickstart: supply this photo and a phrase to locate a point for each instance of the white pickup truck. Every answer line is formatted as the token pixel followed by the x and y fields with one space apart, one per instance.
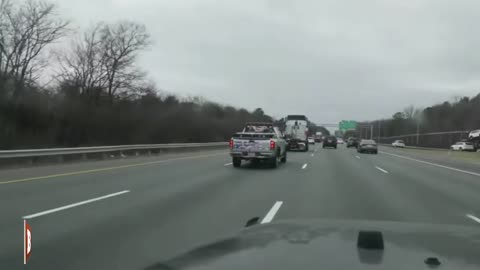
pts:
pixel 258 141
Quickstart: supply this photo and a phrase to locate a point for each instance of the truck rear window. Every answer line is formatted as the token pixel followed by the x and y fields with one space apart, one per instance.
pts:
pixel 259 129
pixel 296 117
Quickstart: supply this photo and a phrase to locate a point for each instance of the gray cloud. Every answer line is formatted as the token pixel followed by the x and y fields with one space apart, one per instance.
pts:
pixel 330 60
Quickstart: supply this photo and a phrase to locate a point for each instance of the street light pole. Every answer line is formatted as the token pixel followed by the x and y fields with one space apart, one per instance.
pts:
pixel 379 129
pixel 418 131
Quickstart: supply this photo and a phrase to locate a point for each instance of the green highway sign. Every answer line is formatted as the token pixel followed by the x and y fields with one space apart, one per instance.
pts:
pixel 347 125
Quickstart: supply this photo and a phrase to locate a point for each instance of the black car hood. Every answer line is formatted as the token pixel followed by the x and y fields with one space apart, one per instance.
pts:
pixel 333 245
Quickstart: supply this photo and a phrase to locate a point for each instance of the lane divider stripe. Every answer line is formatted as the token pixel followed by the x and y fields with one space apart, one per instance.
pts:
pixel 380 169
pixel 104 169
pixel 474 218
pixel 74 205
pixel 273 211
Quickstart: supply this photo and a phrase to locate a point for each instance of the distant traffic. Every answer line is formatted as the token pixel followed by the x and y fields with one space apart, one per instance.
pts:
pixel 269 142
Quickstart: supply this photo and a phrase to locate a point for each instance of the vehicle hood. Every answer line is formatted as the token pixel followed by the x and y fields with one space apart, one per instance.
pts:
pixel 332 244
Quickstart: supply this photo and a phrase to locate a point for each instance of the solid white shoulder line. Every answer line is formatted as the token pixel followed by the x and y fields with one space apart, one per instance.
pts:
pixel 433 164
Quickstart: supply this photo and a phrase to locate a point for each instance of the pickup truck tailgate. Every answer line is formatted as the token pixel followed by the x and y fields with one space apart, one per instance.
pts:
pixel 251 142
pixel 251 145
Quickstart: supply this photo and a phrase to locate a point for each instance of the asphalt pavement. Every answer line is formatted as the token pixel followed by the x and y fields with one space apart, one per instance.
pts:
pixel 135 212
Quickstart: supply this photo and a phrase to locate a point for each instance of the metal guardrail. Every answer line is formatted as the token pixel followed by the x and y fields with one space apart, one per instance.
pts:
pixel 427 134
pixel 5 154
pixel 416 147
pixel 422 148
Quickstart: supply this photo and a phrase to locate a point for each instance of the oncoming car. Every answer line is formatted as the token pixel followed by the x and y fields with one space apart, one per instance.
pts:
pixel 398 143
pixel 462 146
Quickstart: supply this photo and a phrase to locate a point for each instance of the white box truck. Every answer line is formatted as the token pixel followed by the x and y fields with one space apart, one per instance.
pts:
pixel 296 132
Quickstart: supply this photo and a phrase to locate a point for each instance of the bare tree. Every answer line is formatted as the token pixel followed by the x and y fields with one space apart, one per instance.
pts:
pixel 26 31
pixel 409 112
pixel 418 114
pixel 121 44
pixel 103 61
pixel 83 67
pixel 5 32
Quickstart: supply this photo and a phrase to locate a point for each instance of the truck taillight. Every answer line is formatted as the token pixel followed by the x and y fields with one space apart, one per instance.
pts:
pixel 272 145
pixel 231 144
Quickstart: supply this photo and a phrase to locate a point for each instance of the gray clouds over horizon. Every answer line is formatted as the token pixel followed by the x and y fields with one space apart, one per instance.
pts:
pixel 330 60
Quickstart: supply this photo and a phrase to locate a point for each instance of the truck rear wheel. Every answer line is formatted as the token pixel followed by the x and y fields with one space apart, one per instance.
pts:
pixel 237 162
pixel 274 162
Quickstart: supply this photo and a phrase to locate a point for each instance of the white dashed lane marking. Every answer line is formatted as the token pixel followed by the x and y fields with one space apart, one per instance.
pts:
pixel 474 218
pixel 273 211
pixel 380 169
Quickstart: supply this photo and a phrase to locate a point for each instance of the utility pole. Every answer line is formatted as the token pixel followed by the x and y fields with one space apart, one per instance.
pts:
pixel 418 131
pixel 379 129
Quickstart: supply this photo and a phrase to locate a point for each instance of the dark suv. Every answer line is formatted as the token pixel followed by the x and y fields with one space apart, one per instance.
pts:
pixel 352 142
pixel 330 141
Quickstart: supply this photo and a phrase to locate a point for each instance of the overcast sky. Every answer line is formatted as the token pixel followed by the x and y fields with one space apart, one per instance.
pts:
pixel 327 59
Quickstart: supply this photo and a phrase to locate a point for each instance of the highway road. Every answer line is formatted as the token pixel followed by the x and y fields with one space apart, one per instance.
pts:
pixel 135 212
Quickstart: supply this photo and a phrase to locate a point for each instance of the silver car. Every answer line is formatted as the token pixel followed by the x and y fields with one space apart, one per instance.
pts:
pixel 367 146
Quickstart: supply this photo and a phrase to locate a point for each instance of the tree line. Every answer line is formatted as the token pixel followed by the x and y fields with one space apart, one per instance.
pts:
pixel 98 95
pixel 462 114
